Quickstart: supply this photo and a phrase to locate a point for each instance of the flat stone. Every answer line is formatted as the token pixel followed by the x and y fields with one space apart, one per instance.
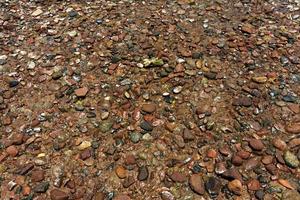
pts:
pixel 81 92
pixel 256 144
pixel 12 151
pixel 37 175
pixel 293 128
pixel 178 177
pixel 37 12
pixel 143 173
pixel 146 126
pixel 213 186
pixel 41 187
pixel 57 194
pixel 121 172
pixel 149 107
pixel 279 144
pixel 196 184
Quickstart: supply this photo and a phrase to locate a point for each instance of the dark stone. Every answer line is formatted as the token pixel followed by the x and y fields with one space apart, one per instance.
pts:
pixel 210 75
pixel 213 186
pixel 13 83
pixel 146 126
pixel 41 187
pixel 259 194
pixel 143 173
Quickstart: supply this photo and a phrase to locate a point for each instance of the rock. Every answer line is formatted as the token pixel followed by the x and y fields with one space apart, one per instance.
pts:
pixel 84 145
pixel 279 144
pixel 252 163
pixel 17 139
pixel 196 184
pixel 106 126
pixel 235 186
pixel 213 186
pixel 177 89
pixel 259 194
pixel 210 75
pixel 188 135
pixel 291 159
pixel 23 170
pixel 85 154
pixel 220 168
pixel 81 92
pixel 248 28
pixel 166 195
pixel 256 144
pixel 41 187
pixel 37 175
pixel 211 153
pixel 128 182
pixel 121 172
pixel 286 184
pixel 178 177
pixel 12 151
pixel 232 174
pixel 72 33
pixel 259 79
pixel 13 83
pixel 294 143
pixel 237 160
pixel 57 75
pixel 99 196
pixel 37 12
pixel 293 128
pixel 143 173
pixel 146 126
pixel 253 185
pixel 243 154
pixel 242 101
pixel 122 197
pixel 290 195
pixel 135 137
pixel 57 194
pixel 149 108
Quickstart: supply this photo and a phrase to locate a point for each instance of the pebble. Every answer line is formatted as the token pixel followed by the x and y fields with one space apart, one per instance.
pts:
pixel 121 172
pixel 242 101
pixel 41 187
pixel 128 182
pixel 13 83
pixel 146 126
pixel 256 144
pixel 37 12
pixel 177 89
pixel 122 197
pixel 143 173
pixel 57 194
pixel 213 186
pixel 84 145
pixel 253 185
pixel 81 92
pixel 37 175
pixel 259 79
pixel 196 184
pixel 291 159
pixel 279 144
pixel 105 126
pixel 72 33
pixel 259 194
pixel 149 108
pixel 293 128
pixel 235 186
pixel 178 177
pixel 12 151
pixel 135 137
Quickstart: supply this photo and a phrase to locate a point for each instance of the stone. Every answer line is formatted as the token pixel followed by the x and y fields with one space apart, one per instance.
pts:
pixel 213 186
pixel 242 101
pixel 293 128
pixel 294 143
pixel 128 182
pixel 122 197
pixel 291 159
pixel 143 173
pixel 23 170
pixel 135 137
pixel 279 144
pixel 121 172
pixel 37 175
pixel 57 75
pixel 41 187
pixel 72 33
pixel 178 177
pixel 106 126
pixel 146 126
pixel 12 151
pixel 259 79
pixel 196 184
pixel 248 28
pixel 252 163
pixel 256 144
pixel 57 194
pixel 37 12
pixel 237 160
pixel 253 185
pixel 81 92
pixel 235 186
pixel 149 108
pixel 84 145
pixel 286 184
pixel 259 194
pixel 13 83
pixel 211 153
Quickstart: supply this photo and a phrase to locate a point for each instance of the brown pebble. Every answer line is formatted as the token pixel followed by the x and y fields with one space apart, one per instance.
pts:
pixel 26 190
pixel 128 182
pixel 294 143
pixel 99 196
pixel 57 194
pixel 211 153
pixel 267 159
pixel 178 177
pixel 235 186
pixel 253 185
pixel 121 172
pixel 37 175
pixel 279 144
pixel 196 184
pixel 149 107
pixel 236 160
pixel 12 151
pixel 122 197
pixel 256 144
pixel 243 154
pixel 17 139
pixel 130 160
pixel 293 128
pixel 81 92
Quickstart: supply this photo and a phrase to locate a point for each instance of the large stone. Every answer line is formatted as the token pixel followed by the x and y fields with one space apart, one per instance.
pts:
pixel 196 184
pixel 57 194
